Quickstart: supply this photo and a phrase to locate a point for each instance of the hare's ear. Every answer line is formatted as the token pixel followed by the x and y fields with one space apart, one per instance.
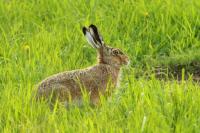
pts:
pixel 90 38
pixel 96 34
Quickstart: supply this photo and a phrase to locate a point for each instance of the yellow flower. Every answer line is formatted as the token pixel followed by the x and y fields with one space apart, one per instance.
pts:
pixel 146 14
pixel 26 50
pixel 26 47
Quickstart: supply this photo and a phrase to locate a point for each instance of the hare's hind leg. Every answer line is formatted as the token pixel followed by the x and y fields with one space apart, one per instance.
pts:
pixel 53 93
pixel 62 93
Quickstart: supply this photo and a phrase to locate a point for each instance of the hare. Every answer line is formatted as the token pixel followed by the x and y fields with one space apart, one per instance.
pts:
pixel 68 85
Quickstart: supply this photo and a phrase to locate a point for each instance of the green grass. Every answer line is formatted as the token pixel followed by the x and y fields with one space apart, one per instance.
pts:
pixel 40 38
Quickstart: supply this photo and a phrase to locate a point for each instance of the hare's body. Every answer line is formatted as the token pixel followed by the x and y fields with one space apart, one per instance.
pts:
pixel 94 80
pixel 68 85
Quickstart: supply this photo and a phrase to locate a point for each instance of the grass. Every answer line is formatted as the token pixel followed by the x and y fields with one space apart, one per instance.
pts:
pixel 40 38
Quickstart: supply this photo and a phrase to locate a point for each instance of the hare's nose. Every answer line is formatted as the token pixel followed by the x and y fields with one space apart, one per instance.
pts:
pixel 127 58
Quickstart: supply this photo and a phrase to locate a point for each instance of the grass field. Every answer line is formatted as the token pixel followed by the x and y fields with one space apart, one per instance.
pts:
pixel 40 38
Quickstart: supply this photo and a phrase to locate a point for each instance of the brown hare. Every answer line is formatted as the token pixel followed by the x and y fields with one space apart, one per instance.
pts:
pixel 68 85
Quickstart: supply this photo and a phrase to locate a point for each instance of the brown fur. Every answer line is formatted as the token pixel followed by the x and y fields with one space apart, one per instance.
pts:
pixel 67 86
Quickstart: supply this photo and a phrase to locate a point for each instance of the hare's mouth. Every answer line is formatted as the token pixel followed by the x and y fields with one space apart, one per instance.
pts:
pixel 126 61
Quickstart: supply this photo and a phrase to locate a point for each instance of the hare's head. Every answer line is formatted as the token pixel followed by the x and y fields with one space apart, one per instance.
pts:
pixel 107 55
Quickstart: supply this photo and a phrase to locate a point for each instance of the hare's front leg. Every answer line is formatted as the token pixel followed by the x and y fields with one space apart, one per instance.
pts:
pixel 95 98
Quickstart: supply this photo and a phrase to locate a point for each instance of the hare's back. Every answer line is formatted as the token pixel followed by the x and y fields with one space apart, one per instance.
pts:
pixel 64 78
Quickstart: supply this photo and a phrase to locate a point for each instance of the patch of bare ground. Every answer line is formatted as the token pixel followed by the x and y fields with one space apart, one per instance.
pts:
pixel 190 71
pixel 179 71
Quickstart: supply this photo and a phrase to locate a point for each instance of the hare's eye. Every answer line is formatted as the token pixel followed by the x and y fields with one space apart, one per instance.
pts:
pixel 115 52
pixel 120 52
